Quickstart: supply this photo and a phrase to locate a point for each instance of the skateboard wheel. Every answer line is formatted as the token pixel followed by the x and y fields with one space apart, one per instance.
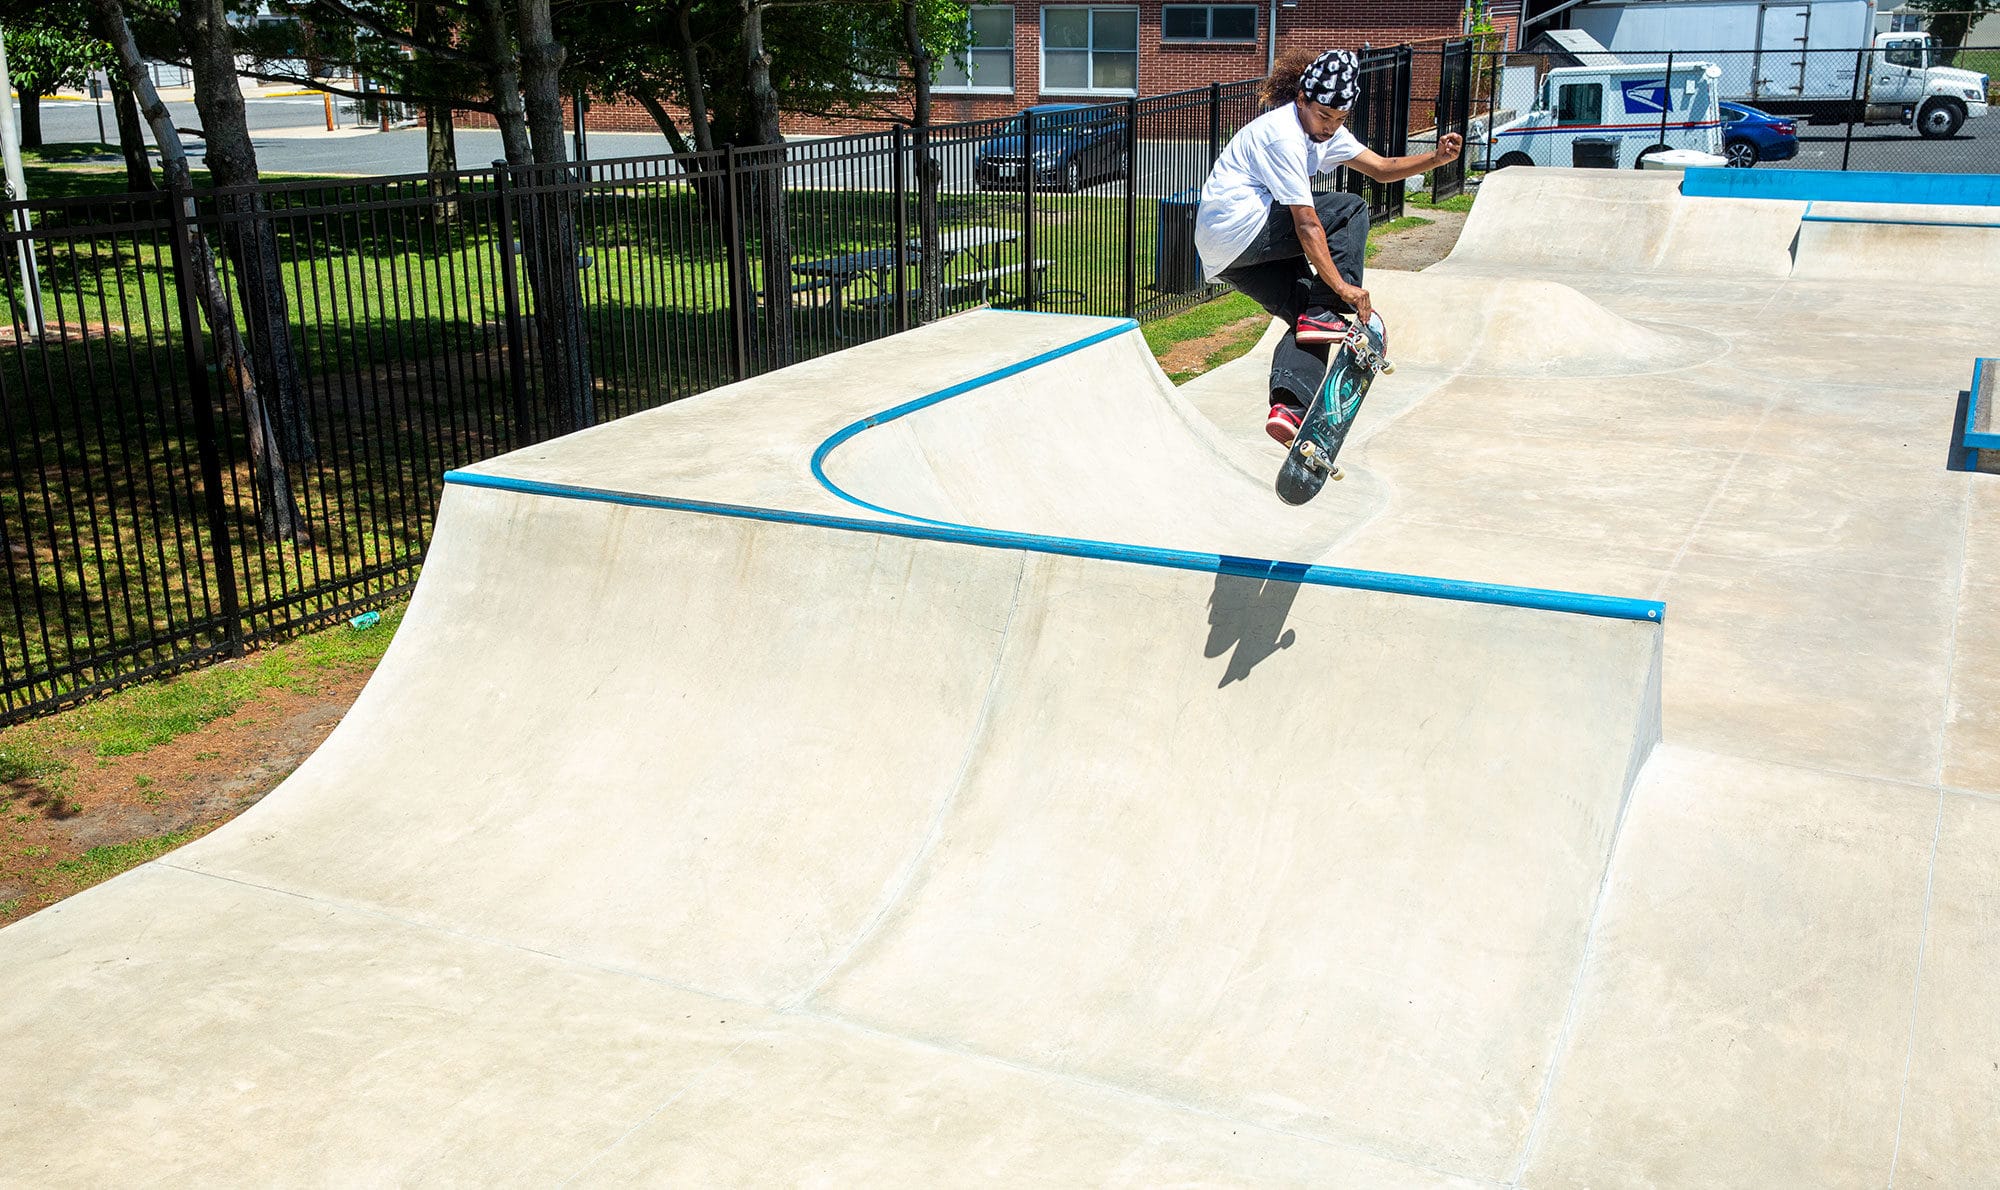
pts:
pixel 1387 367
pixel 1336 473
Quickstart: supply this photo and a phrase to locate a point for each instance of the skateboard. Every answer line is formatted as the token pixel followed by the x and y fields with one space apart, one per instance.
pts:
pixel 1351 366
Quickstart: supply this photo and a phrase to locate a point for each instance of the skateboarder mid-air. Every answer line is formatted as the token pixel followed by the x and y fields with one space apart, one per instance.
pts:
pixel 1298 254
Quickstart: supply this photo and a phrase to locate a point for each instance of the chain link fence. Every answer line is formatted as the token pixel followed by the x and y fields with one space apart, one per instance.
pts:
pixel 1908 107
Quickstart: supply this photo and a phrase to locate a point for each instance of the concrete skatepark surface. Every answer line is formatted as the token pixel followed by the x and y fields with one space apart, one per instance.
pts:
pixel 893 791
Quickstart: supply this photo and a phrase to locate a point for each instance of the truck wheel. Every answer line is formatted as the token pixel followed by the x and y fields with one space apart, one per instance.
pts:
pixel 1741 153
pixel 1639 162
pixel 1940 118
pixel 1514 159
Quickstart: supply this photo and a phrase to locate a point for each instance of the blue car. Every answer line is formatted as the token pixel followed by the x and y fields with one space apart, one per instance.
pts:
pixel 1075 145
pixel 1750 136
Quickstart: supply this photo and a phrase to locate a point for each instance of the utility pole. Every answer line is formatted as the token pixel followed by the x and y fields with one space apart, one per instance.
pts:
pixel 17 191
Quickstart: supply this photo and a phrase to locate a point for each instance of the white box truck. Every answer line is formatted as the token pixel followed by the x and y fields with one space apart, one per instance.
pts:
pixel 1820 59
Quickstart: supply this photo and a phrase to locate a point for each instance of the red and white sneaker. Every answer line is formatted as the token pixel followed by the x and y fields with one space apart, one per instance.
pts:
pixel 1283 424
pixel 1321 326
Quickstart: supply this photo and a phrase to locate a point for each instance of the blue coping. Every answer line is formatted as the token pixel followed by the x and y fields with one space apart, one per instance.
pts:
pixel 1824 185
pixel 1971 437
pixel 1606 606
pixel 925 529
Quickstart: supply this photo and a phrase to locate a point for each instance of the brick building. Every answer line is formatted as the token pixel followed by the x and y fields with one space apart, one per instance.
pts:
pixel 1082 51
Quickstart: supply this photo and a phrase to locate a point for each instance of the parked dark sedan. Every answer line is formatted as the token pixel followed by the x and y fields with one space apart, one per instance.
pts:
pixel 1075 145
pixel 1750 136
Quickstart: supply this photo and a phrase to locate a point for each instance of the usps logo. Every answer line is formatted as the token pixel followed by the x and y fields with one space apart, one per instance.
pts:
pixel 1645 97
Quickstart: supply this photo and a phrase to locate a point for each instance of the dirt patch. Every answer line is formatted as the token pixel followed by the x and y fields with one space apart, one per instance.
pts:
pixel 1191 356
pixel 1419 247
pixel 54 332
pixel 186 787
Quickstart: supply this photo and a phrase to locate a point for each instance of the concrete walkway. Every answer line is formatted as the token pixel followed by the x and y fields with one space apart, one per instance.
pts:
pixel 863 800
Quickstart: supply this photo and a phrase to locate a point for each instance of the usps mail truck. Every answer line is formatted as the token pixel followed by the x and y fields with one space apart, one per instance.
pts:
pixel 1610 116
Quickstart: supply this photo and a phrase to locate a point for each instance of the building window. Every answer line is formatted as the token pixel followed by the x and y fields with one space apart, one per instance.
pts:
pixel 1208 22
pixel 1090 49
pixel 989 53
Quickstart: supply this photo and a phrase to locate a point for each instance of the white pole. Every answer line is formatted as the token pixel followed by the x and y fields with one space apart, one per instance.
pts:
pixel 17 191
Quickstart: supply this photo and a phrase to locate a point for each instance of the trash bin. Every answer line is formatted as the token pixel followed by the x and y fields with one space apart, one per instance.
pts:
pixel 1176 266
pixel 1594 152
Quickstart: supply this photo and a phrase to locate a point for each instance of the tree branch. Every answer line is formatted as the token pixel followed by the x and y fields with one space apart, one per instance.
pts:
pixel 392 34
pixel 457 102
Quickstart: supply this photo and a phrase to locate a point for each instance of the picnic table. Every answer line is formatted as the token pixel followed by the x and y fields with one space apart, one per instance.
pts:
pixel 872 270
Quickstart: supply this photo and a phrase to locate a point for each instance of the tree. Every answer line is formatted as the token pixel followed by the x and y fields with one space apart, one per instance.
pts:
pixel 47 54
pixel 504 57
pixel 277 513
pixel 933 31
pixel 250 239
pixel 564 343
pixel 1950 20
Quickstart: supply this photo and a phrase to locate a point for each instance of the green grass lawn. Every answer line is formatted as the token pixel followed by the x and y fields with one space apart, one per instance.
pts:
pixel 1986 62
pixel 47 765
pixel 1457 202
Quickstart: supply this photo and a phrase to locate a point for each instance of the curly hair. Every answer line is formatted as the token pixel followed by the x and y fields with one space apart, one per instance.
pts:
pixel 1283 85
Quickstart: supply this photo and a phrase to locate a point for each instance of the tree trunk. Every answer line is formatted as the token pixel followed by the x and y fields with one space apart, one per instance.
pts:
pixel 250 239
pixel 697 86
pixel 767 193
pixel 503 74
pixel 440 144
pixel 664 120
pixel 706 179
pixel 277 514
pixel 930 172
pixel 31 117
pixel 562 340
pixel 441 161
pixel 131 139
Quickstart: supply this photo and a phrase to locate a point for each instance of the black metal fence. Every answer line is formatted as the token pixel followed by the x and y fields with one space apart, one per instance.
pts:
pixel 177 487
pixel 1896 108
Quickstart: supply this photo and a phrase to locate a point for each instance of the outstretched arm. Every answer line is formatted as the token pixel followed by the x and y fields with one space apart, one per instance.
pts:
pixel 1393 169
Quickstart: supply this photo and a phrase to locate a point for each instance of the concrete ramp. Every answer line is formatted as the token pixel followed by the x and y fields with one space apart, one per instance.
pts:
pixel 1950 247
pixel 1504 326
pixel 681 841
pixel 1092 443
pixel 1599 222
pixel 1607 225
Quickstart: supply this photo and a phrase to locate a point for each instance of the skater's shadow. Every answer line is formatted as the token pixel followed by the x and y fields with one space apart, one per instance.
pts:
pixel 1247 613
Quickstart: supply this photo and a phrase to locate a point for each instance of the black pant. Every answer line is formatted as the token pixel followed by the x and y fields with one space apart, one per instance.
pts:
pixel 1274 273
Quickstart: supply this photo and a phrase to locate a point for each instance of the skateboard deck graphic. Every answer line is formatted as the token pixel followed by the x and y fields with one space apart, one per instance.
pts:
pixel 1351 367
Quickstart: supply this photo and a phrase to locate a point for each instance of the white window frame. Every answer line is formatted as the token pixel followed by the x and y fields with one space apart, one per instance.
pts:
pixel 1042 51
pixel 1256 26
pixel 1013 54
pixel 874 86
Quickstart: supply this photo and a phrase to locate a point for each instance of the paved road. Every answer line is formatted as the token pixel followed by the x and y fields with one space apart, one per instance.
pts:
pixel 1976 148
pixel 292 139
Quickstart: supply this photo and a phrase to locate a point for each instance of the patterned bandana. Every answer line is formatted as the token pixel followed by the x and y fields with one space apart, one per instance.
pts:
pixel 1333 79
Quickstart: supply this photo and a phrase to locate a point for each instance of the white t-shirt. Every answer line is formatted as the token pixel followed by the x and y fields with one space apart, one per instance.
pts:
pixel 1270 160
